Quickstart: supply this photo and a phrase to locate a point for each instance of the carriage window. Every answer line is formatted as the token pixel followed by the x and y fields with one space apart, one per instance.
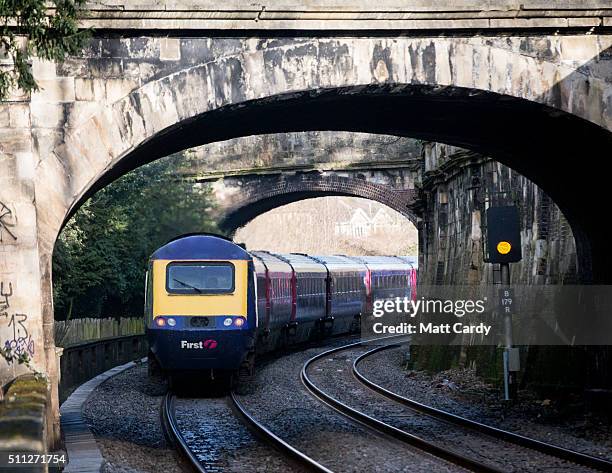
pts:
pixel 200 278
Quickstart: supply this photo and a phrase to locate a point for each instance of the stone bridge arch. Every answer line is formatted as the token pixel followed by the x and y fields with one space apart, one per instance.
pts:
pixel 517 99
pixel 540 105
pixel 247 197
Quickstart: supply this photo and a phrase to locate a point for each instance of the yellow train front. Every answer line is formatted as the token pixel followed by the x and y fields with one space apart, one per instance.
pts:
pixel 200 306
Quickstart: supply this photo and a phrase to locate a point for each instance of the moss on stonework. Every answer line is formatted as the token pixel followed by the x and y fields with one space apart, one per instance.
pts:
pixel 434 358
pixel 22 414
pixel 487 361
pixel 22 433
pixel 28 383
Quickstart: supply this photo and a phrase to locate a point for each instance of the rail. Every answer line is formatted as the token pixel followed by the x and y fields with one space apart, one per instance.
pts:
pixel 380 426
pixel 517 439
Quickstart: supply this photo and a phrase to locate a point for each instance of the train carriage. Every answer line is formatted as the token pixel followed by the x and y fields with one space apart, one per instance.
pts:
pixel 276 307
pixel 387 278
pixel 413 261
pixel 309 296
pixel 346 291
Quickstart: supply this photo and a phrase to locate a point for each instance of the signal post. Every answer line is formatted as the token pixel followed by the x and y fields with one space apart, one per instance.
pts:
pixel 504 247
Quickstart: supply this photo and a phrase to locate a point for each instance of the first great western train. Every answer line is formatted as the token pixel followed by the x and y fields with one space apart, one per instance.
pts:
pixel 210 305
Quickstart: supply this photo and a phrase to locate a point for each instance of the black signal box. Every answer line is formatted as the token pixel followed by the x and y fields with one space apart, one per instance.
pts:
pixel 503 234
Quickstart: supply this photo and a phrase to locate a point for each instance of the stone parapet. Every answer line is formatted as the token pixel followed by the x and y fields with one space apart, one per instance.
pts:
pixel 23 418
pixel 359 15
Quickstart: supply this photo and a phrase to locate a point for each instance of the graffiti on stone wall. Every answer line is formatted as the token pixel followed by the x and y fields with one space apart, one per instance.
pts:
pixel 7 220
pixel 19 345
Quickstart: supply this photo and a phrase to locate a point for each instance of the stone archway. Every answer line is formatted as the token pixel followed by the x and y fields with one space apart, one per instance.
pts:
pixel 257 196
pixel 304 84
pixel 535 108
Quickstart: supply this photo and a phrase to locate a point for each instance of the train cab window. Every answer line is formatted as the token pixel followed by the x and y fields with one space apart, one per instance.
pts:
pixel 200 278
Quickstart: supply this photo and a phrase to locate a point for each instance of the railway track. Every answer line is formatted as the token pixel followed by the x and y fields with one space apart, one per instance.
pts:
pixel 309 373
pixel 300 456
pixel 174 435
pixel 507 436
pixel 386 428
pixel 263 432
pixel 190 457
pixel 468 461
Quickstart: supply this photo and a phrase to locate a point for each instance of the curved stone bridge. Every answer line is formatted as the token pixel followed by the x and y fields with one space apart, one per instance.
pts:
pixel 540 103
pixel 243 197
pixel 253 174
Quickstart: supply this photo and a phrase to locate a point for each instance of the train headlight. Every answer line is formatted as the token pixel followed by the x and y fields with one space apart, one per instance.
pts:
pixel 238 321
pixel 171 322
pixel 160 321
pixel 227 322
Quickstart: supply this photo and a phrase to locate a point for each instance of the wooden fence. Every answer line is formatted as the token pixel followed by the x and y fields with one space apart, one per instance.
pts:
pixel 78 331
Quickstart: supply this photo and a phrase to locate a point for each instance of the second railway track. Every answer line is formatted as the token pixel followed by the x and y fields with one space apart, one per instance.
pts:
pixel 572 456
pixel 174 435
pixel 333 377
pixel 305 435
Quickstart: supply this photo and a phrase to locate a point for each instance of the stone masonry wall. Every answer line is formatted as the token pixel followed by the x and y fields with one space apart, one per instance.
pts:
pixel 24 418
pixel 457 188
pixel 133 97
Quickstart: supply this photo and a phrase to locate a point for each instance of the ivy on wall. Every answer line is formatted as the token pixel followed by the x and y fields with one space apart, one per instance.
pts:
pixel 46 29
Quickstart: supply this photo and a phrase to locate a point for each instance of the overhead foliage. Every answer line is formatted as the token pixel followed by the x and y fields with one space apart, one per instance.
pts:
pixel 47 29
pixel 100 257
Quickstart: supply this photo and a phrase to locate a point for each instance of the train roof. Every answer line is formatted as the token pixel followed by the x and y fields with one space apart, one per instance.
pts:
pixel 340 263
pixel 303 263
pixel 385 262
pixel 272 262
pixel 201 246
pixel 413 260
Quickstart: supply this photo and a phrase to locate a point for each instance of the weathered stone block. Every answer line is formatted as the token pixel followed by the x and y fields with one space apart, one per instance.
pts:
pixel 45 140
pixel 20 115
pixel 579 49
pixel 169 49
pixel 25 168
pixel 5 120
pixel 60 89
pixel 79 112
pixel 119 88
pixel 14 140
pixel 47 115
pixel 23 415
pixel 88 89
pixel 43 69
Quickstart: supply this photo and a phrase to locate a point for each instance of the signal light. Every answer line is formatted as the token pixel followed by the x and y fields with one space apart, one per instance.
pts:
pixel 160 321
pixel 239 322
pixel 503 247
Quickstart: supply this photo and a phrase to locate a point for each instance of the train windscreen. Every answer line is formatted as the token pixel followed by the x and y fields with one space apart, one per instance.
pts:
pixel 200 278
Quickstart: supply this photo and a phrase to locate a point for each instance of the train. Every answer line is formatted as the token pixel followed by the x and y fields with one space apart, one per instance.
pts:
pixel 211 305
